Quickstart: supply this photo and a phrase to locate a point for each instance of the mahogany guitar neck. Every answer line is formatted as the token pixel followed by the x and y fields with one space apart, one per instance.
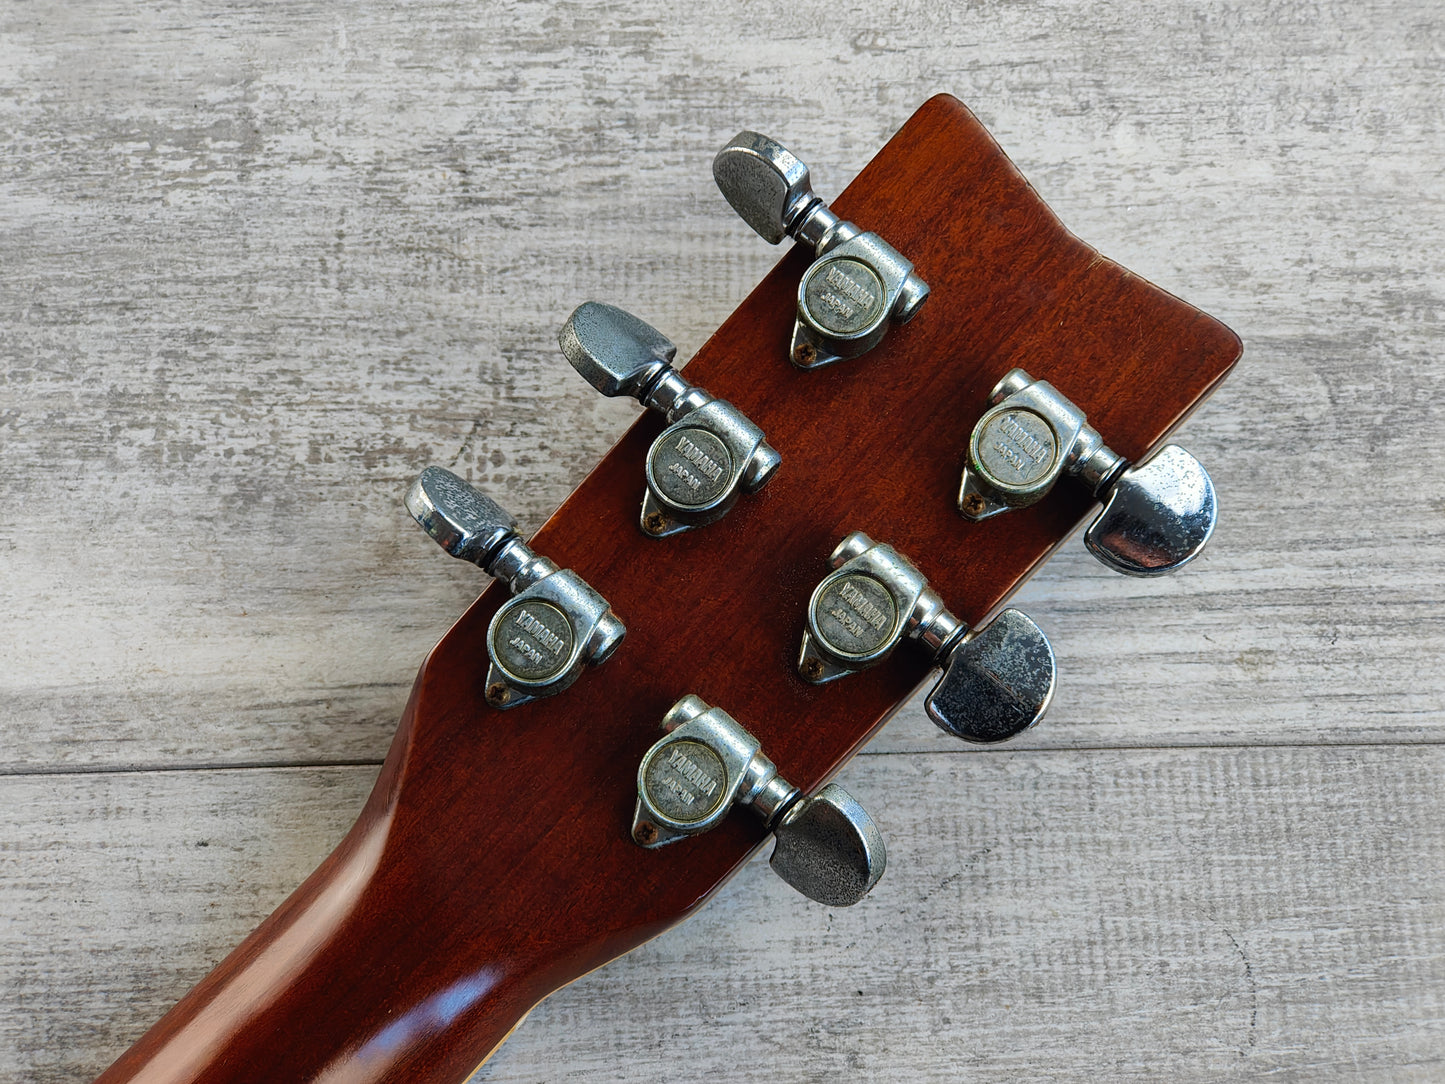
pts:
pixel 493 863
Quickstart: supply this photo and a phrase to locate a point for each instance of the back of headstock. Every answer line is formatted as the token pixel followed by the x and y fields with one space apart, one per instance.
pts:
pixel 495 861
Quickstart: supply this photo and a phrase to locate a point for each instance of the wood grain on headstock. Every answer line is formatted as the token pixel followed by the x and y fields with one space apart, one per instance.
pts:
pixel 493 863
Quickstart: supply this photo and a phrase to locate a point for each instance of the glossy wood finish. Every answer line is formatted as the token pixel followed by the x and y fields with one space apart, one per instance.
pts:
pixel 492 863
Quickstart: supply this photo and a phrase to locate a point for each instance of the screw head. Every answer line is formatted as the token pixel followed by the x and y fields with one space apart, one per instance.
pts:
pixel 974 504
pixel 498 694
pixel 812 669
pixel 805 354
pixel 645 833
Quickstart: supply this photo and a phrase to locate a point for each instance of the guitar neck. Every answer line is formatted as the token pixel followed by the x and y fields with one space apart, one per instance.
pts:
pixel 299 994
pixel 494 860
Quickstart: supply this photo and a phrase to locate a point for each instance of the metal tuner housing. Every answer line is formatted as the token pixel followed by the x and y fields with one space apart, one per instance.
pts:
pixel 997 680
pixel 857 285
pixel 540 640
pixel 1157 515
pixel 826 846
pixel 708 454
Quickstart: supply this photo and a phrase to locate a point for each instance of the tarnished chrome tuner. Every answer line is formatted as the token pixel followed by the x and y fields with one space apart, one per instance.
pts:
pixel 540 639
pixel 1157 514
pixel 858 283
pixel 827 846
pixel 709 452
pixel 997 680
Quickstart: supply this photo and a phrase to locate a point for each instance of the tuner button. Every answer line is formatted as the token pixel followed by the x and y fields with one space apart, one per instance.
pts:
pixel 709 453
pixel 1157 515
pixel 997 680
pixel 617 353
pixel 997 683
pixel 766 185
pixel 829 849
pixel 858 284
pixel 555 624
pixel 466 523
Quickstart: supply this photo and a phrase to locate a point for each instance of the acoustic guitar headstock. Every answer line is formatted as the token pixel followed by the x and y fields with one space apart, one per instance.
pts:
pixel 876 443
pixel 505 850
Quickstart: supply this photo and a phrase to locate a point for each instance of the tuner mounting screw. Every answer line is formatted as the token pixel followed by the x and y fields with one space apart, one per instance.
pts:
pixel 827 846
pixel 857 284
pixel 1157 515
pixel 708 454
pixel 555 624
pixel 645 832
pixel 997 680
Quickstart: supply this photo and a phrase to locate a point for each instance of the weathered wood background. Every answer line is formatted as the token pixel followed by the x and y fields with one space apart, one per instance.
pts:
pixel 259 264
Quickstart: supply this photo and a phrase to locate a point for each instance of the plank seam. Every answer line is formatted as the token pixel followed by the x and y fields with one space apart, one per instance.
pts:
pixel 288 765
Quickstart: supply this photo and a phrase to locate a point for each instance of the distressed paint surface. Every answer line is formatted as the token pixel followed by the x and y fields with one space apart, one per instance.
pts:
pixel 261 265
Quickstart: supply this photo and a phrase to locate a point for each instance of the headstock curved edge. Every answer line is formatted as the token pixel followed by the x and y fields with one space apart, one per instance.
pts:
pixel 493 862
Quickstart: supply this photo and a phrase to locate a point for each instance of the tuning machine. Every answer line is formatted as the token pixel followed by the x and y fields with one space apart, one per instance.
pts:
pixel 540 639
pixel 826 846
pixel 709 452
pixel 1157 514
pixel 997 680
pixel 857 283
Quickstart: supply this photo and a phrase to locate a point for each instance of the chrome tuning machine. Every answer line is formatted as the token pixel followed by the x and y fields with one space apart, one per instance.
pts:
pixel 997 680
pixel 540 639
pixel 1157 514
pixel 857 283
pixel 826 846
pixel 709 452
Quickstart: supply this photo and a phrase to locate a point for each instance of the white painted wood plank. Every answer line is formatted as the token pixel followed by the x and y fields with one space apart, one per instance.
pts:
pixel 1174 915
pixel 121 890
pixel 262 266
pixel 1178 914
pixel 258 265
